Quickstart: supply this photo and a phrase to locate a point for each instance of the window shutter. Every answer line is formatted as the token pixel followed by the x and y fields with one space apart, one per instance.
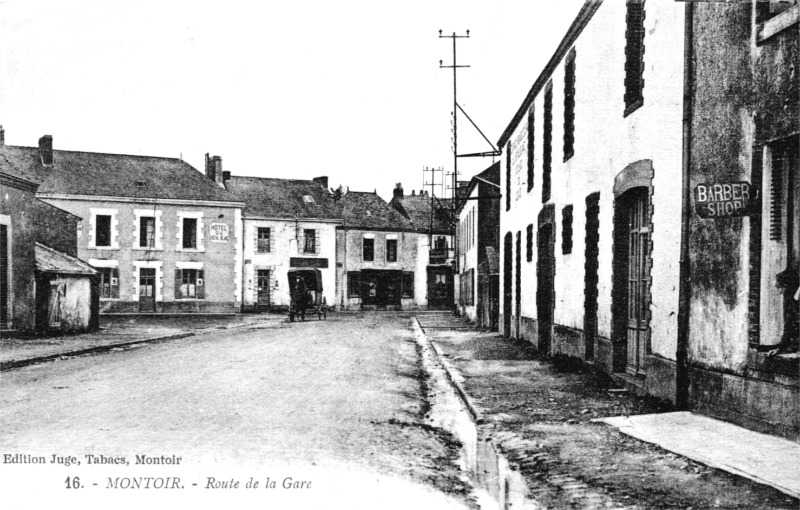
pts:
pixel 776 201
pixel 178 284
pixel 201 284
pixel 255 241
pixel 316 241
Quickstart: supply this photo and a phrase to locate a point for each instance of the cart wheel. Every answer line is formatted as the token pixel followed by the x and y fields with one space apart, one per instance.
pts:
pixel 325 313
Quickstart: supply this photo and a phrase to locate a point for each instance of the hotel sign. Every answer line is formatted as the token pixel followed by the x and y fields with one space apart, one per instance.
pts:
pixel 219 233
pixel 724 199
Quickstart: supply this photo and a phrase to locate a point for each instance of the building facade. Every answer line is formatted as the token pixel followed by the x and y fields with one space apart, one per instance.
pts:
pixel 288 223
pixel 43 286
pixel 382 261
pixel 477 244
pixel 591 235
pixel 432 218
pixel 741 345
pixel 163 238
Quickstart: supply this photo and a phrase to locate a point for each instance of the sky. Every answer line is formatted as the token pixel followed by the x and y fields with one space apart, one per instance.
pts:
pixel 349 89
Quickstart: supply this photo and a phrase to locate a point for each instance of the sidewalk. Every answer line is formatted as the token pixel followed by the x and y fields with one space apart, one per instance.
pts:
pixel 542 414
pixel 117 332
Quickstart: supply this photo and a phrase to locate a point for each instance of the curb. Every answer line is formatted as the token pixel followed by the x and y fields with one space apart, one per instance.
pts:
pixel 476 416
pixel 10 365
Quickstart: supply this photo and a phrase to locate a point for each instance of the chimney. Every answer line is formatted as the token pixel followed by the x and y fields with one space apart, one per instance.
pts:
pixel 226 176
pixel 413 192
pixel 322 181
pixel 209 168
pixel 217 162
pixel 46 150
pixel 2 136
pixel 398 191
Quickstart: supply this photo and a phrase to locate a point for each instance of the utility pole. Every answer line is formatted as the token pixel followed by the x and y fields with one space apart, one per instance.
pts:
pixel 455 68
pixel 432 183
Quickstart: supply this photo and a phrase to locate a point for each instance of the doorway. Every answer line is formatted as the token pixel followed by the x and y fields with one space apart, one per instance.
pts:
pixel 631 265
pixel 440 288
pixel 263 286
pixel 591 259
pixel 507 261
pixel 380 289
pixel 545 285
pixel 147 290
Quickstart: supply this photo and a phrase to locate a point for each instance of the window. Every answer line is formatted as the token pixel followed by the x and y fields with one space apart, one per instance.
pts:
pixel 189 284
pixel 440 243
pixel 308 199
pixel 634 55
pixel 102 234
pixel 190 233
pixel 263 240
pixel 109 282
pixel 391 250
pixel 566 230
pixel 309 240
pixel 408 285
pixel 353 284
pixel 569 106
pixel 547 142
pixel 531 140
pixel 508 176
pixel 529 244
pixel 776 317
pixel 147 232
pixel 369 250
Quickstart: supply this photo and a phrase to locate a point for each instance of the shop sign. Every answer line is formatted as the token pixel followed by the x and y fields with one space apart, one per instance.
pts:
pixel 724 199
pixel 219 232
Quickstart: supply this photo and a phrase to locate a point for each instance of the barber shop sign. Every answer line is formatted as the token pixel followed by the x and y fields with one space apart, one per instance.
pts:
pixel 724 199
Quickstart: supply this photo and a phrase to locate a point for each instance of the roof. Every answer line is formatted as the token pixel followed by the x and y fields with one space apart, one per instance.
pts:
pixel 369 211
pixel 579 23
pixel 9 174
pixel 491 176
pixel 49 260
pixel 282 198
pixel 417 208
pixel 117 175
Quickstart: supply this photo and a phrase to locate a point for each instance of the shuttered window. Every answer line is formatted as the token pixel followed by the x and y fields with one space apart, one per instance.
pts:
pixel 634 55
pixel 566 230
pixel 569 106
pixel 529 244
pixel 263 240
pixel 531 140
pixel 190 284
pixel 547 142
pixel 408 285
pixel 109 282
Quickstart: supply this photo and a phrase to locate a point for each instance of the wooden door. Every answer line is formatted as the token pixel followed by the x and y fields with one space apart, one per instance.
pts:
pixel 147 289
pixel 507 284
pixel 262 282
pixel 591 266
pixel 638 255
pixel 545 285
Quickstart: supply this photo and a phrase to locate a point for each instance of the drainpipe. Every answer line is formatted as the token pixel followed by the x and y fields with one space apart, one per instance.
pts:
pixel 684 289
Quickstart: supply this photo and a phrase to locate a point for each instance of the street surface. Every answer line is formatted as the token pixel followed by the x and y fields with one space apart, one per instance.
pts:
pixel 337 403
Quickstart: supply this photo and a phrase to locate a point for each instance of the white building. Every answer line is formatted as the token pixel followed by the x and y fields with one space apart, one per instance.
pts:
pixel 590 217
pixel 287 223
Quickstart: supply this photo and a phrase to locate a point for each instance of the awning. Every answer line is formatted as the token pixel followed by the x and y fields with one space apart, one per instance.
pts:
pixel 49 260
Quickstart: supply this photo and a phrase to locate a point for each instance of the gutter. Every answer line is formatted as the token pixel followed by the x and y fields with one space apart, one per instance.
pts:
pixel 685 278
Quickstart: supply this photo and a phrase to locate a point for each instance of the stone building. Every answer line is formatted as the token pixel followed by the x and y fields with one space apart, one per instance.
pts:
pixel 741 338
pixel 44 287
pixel 590 232
pixel 381 260
pixel 477 245
pixel 287 223
pixel 432 217
pixel 629 167
pixel 163 238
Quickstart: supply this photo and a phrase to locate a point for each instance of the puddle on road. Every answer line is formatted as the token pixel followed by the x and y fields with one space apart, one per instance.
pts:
pixel 497 486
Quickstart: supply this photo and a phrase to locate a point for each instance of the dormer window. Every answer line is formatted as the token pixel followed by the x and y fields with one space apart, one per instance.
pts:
pixel 308 199
pixel 141 184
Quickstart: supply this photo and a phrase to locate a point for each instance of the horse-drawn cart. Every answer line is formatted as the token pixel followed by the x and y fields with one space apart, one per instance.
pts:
pixel 305 286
